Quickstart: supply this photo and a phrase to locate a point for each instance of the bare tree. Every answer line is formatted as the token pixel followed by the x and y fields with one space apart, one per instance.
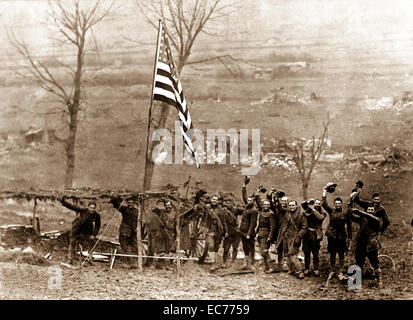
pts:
pixel 185 20
pixel 73 22
pixel 306 156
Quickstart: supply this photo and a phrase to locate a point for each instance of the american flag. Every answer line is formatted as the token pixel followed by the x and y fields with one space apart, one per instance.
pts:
pixel 168 88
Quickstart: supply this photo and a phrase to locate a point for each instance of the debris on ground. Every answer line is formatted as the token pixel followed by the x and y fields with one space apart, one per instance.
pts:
pixel 19 255
pixel 386 103
pixel 281 95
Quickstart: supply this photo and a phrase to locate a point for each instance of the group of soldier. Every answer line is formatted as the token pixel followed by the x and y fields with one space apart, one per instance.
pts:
pixel 273 219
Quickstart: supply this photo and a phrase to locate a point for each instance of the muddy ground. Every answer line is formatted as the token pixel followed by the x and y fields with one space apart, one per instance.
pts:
pixel 32 278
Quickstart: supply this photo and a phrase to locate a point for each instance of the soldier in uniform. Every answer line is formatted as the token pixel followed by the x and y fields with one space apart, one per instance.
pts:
pixel 215 226
pixel 265 229
pixel 153 225
pixel 315 215
pixel 233 238
pixel 291 233
pixel 85 227
pixel 367 242
pixel 128 238
pixel 337 235
pixel 279 204
pixel 166 235
pixel 161 226
pixel 247 227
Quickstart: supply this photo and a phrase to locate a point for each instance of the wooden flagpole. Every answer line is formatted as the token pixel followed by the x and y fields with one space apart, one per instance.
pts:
pixel 141 204
pixel 145 182
pixel 139 235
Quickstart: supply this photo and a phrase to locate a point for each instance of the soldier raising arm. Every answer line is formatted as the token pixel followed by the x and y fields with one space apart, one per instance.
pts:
pixel 247 226
pixel 379 210
pixel 84 226
pixel 367 244
pixel 315 215
pixel 337 235
pixel 128 228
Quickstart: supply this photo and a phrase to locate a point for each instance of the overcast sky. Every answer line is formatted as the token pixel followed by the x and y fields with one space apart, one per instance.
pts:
pixel 387 23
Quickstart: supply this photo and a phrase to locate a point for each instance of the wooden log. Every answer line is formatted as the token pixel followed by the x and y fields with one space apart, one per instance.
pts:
pixel 143 256
pixel 234 273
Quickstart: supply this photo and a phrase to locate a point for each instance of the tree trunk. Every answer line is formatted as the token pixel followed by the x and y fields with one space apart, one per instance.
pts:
pixel 73 108
pixel 305 189
pixel 149 165
pixel 70 151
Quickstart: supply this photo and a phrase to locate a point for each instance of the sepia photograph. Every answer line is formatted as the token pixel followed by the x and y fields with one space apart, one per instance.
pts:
pixel 206 150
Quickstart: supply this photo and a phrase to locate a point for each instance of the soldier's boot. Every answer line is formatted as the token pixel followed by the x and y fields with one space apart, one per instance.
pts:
pixel 275 269
pixel 378 277
pixel 307 262
pixel 215 265
pixel 341 266
pixel 72 254
pixel 340 270
pixel 70 260
pixel 283 265
pixel 149 261
pixel 316 261
pixel 225 260
pixel 133 263
pixel 265 259
pixel 332 263
pixel 204 255
pixel 159 262
pixel 244 266
pixel 280 258
pixel 250 262
pixel 234 256
pixel 90 262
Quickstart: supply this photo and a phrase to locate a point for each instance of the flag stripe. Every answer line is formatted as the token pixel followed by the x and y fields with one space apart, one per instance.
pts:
pixel 165 87
pixel 166 93
pixel 165 99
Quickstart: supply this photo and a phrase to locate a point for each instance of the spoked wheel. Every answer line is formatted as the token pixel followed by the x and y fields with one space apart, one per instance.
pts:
pixel 386 263
pixel 197 240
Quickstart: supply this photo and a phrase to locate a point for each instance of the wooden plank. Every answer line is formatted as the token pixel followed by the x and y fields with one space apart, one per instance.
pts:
pixel 113 259
pixel 143 256
pixel 234 273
